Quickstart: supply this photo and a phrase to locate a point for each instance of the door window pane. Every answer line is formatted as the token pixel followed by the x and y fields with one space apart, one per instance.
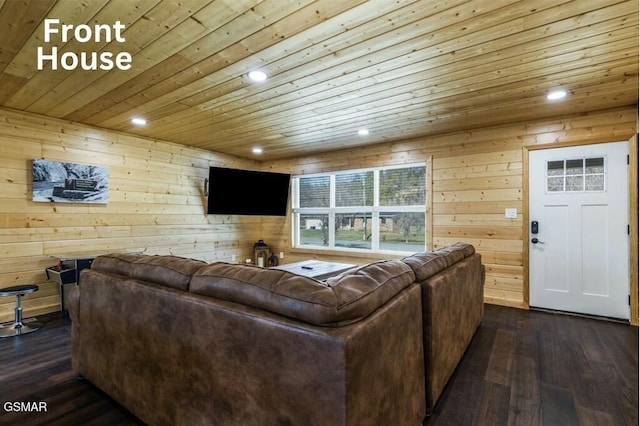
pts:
pixel 555 184
pixel 594 182
pixel 575 183
pixel 576 175
pixel 594 165
pixel 594 174
pixel 555 168
pixel 575 167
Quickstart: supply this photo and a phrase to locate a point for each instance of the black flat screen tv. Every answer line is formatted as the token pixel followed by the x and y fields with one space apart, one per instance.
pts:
pixel 247 192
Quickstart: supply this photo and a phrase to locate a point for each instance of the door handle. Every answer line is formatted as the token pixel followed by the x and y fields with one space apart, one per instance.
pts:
pixel 536 241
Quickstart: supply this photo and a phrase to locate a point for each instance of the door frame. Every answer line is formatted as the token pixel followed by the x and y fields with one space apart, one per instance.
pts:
pixel 633 220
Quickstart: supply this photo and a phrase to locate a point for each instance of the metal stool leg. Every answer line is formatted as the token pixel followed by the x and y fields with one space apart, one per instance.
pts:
pixel 18 318
pixel 18 327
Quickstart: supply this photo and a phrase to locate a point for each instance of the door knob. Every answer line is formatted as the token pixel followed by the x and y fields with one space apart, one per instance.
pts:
pixel 536 241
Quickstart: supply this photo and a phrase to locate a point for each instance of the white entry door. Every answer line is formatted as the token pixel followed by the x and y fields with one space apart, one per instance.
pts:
pixel 579 257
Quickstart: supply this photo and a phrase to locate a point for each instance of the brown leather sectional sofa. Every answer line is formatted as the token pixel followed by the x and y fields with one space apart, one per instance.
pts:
pixel 178 341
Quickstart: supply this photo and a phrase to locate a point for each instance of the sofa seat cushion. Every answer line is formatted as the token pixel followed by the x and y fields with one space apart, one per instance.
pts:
pixel 427 264
pixel 342 300
pixel 168 271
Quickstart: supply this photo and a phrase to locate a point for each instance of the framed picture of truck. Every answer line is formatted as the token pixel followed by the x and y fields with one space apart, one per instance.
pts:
pixel 60 182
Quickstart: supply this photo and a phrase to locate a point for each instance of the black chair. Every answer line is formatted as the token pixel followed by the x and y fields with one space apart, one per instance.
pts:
pixel 18 327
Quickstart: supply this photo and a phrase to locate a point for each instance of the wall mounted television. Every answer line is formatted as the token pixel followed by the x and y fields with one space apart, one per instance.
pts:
pixel 247 192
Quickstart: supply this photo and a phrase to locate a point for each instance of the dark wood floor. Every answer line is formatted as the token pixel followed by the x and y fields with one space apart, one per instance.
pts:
pixel 522 368
pixel 538 368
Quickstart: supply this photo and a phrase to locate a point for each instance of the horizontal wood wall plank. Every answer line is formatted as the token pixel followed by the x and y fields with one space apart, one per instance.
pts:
pixel 157 207
pixel 476 176
pixel 156 204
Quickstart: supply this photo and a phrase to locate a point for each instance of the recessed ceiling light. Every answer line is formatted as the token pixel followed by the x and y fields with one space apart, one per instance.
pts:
pixel 258 75
pixel 556 94
pixel 139 121
pixel 363 132
pixel 257 150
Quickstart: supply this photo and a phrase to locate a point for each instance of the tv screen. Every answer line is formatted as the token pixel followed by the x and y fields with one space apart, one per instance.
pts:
pixel 247 192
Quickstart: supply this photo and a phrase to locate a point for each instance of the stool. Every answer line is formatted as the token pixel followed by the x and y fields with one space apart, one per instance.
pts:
pixel 18 327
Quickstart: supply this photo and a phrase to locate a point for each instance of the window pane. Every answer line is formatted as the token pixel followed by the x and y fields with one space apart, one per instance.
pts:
pixel 403 187
pixel 555 168
pixel 314 229
pixel 555 184
pixel 594 183
pixel 348 198
pixel 575 167
pixel 353 230
pixel 314 191
pixel 402 231
pixel 594 165
pixel 354 189
pixel 575 183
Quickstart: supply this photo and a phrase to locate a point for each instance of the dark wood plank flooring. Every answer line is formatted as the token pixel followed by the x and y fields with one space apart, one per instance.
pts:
pixel 539 368
pixel 522 368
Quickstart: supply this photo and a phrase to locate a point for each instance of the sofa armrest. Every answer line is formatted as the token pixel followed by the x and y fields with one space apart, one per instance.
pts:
pixel 453 306
pixel 73 307
pixel 73 303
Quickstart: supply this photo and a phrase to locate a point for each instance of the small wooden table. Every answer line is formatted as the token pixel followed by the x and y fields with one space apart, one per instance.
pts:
pixel 316 269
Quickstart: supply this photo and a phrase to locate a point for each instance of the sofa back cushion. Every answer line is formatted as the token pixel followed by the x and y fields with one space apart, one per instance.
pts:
pixel 168 271
pixel 427 264
pixel 342 300
pixel 456 252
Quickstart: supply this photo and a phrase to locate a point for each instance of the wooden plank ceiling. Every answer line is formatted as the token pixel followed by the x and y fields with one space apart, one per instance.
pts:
pixel 402 69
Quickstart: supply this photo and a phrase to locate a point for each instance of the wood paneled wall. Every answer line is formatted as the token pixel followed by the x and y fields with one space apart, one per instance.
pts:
pixel 475 176
pixel 156 204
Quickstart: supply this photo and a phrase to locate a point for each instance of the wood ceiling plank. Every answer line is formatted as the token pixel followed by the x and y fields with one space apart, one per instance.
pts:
pixel 173 124
pixel 325 53
pixel 23 63
pixel 146 27
pixel 338 72
pixel 575 9
pixel 154 63
pixel 353 56
pixel 405 69
pixel 386 98
pixel 243 49
pixel 9 85
pixel 396 71
pixel 312 41
pixel 376 26
pixel 96 99
pixel 324 89
pixel 515 112
pixel 18 20
pixel 41 83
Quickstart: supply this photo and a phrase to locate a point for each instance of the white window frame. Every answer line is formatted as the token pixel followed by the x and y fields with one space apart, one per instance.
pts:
pixel 374 210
